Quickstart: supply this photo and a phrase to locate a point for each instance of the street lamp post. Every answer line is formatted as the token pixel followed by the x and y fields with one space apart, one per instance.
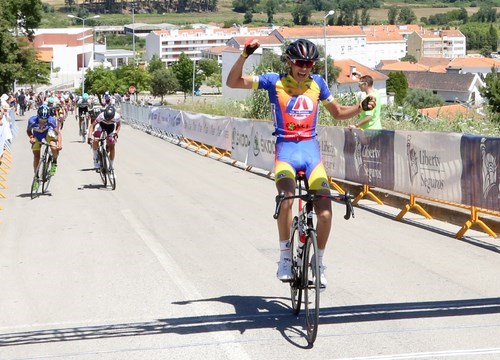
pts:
pixel 194 72
pixel 133 29
pixel 83 45
pixel 330 13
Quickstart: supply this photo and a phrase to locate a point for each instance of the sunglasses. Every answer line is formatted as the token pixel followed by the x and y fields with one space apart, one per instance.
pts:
pixel 362 83
pixel 303 63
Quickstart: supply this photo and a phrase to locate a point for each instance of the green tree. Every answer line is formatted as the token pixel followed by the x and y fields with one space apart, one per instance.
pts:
pixel 129 74
pixel 409 58
pixel 398 85
pixel 33 71
pixel 423 98
pixel 365 17
pixel 486 13
pixel 19 17
pixel 209 67
pixel 493 38
pixel 406 16
pixel 155 64
pixel 392 14
pixel 99 80
pixel 70 4
pixel 163 82
pixel 301 14
pixel 183 71
pixel 242 6
pixel 247 19
pixel 271 7
pixel 215 81
pixel 491 92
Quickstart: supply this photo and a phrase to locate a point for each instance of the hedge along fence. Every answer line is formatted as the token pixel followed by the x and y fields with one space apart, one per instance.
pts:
pixel 452 168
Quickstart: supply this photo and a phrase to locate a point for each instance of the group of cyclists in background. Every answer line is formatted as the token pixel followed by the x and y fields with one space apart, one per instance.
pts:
pixel 97 113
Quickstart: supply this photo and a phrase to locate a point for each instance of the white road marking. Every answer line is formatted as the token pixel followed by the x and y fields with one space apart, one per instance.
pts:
pixel 429 355
pixel 224 338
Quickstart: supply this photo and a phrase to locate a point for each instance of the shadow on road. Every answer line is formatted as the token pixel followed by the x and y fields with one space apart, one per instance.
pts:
pixel 254 312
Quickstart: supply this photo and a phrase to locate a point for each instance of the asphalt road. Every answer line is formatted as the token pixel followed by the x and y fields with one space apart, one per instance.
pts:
pixel 179 262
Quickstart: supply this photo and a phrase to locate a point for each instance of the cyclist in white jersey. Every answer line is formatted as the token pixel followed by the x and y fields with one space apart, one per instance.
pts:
pixel 109 122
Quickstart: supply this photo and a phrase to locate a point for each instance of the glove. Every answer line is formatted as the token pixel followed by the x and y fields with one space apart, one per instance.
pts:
pixel 250 46
pixel 365 103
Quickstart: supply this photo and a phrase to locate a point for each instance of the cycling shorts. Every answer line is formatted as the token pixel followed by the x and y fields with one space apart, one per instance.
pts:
pixel 108 129
pixel 292 156
pixel 49 137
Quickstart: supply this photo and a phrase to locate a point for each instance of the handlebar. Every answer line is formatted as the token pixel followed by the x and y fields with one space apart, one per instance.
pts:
pixel 341 198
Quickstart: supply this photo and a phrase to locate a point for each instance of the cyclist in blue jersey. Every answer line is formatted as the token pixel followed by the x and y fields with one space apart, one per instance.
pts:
pixel 44 126
pixel 295 98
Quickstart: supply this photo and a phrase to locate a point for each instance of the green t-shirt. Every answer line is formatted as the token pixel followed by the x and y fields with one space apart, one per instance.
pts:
pixel 375 122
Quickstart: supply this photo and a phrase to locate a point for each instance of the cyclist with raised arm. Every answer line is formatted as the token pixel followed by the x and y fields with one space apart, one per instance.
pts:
pixel 109 122
pixel 295 98
pixel 44 126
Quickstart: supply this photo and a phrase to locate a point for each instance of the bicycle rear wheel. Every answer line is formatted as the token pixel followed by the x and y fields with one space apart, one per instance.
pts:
pixel 83 129
pixel 295 284
pixel 46 173
pixel 110 172
pixel 312 288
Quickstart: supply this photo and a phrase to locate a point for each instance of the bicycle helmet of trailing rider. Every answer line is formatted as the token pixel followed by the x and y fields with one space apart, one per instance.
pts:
pixel 109 113
pixel 85 96
pixel 43 112
pixel 302 49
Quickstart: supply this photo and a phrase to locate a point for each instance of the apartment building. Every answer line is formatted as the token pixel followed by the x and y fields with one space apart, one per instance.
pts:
pixel 437 43
pixel 168 45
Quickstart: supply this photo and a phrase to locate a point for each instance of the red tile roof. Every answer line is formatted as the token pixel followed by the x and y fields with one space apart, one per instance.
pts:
pixel 449 112
pixel 345 71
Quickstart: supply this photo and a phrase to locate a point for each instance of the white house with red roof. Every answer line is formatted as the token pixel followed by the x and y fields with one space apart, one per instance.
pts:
pixel 348 79
pixel 168 45
pixel 437 43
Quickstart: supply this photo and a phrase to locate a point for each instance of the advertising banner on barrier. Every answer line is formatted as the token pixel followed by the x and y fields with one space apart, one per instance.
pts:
pixel 261 150
pixel 241 139
pixel 5 134
pixel 168 120
pixel 210 130
pixel 331 144
pixel 369 157
pixel 481 175
pixel 427 164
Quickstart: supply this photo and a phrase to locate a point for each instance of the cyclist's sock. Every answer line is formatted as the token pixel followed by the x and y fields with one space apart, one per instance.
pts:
pixel 95 155
pixel 321 252
pixel 285 251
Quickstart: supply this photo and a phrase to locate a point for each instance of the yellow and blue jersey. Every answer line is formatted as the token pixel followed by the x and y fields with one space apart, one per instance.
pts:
pixel 40 127
pixel 294 105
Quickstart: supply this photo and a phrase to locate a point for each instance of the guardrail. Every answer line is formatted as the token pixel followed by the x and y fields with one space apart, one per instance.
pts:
pixel 450 168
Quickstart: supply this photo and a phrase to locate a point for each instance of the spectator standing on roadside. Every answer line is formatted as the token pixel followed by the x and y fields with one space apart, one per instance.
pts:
pixel 369 119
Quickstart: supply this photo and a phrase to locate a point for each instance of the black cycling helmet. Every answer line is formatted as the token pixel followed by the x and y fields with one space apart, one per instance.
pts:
pixel 302 49
pixel 109 113
pixel 43 112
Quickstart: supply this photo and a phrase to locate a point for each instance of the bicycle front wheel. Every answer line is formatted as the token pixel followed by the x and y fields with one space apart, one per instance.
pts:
pixel 37 179
pixel 312 288
pixel 46 173
pixel 110 172
pixel 102 166
pixel 295 284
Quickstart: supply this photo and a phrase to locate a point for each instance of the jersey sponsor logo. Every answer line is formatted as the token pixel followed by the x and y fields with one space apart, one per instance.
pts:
pixel 300 107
